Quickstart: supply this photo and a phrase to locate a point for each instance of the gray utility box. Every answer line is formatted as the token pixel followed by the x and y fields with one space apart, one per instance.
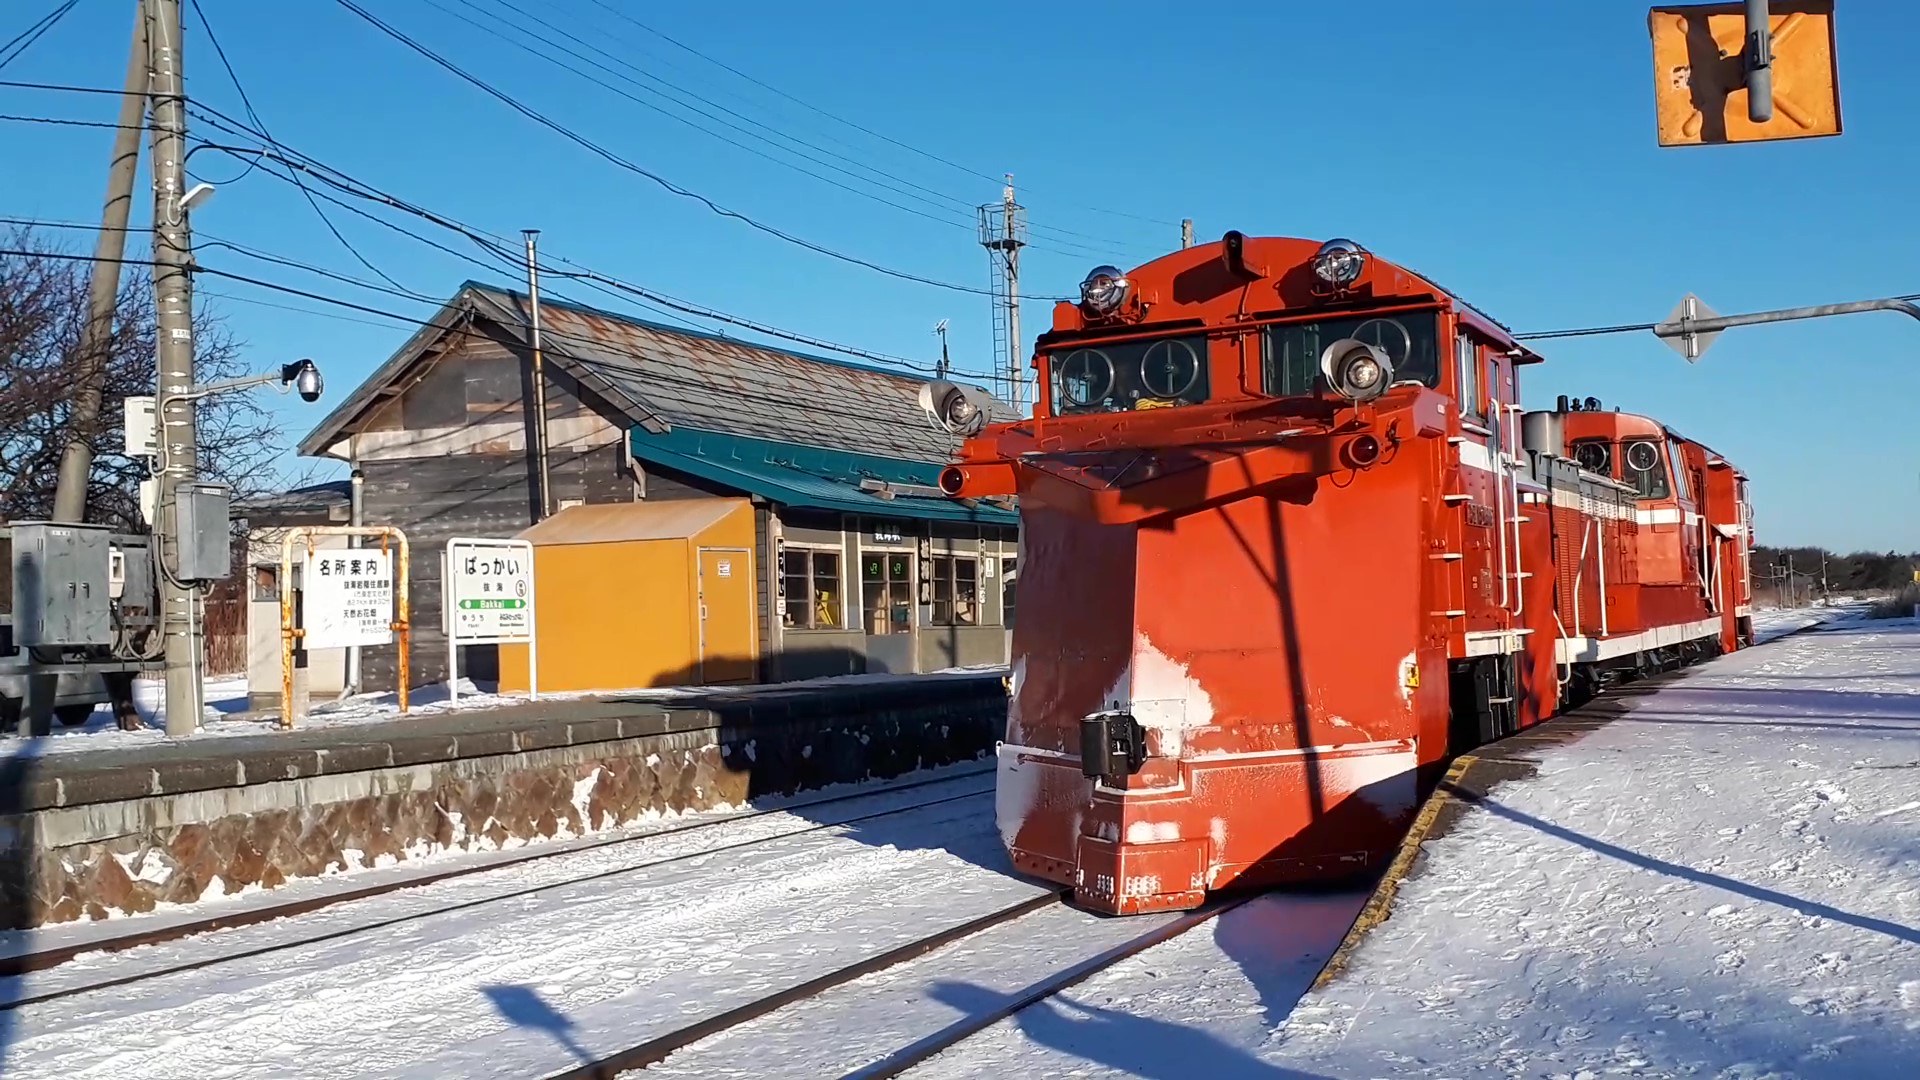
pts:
pixel 60 589
pixel 201 523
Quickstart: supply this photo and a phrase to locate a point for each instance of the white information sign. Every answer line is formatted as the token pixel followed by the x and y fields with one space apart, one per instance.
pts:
pixel 488 600
pixel 347 598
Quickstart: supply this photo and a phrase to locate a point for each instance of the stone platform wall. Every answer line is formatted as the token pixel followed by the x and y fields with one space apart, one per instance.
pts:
pixel 83 840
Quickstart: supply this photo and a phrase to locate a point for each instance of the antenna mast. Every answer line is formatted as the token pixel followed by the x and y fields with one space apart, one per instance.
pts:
pixel 1003 232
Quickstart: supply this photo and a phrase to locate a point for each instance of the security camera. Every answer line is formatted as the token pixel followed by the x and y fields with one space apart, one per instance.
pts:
pixel 960 410
pixel 304 377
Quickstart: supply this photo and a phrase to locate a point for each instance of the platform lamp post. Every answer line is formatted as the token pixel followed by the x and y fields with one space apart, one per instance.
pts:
pixel 301 376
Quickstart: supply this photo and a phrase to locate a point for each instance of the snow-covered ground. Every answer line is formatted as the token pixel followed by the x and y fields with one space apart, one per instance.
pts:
pixel 226 712
pixel 528 986
pixel 1723 883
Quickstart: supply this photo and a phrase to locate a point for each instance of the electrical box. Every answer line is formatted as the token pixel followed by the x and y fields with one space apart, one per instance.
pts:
pixel 201 532
pixel 136 596
pixel 137 427
pixel 60 585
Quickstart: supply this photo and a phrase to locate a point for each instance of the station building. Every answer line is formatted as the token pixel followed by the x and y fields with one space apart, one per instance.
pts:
pixel 821 475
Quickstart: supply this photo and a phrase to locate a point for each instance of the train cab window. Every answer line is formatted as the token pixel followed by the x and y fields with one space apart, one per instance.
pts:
pixel 1682 485
pixel 1646 468
pixel 1466 359
pixel 1594 455
pixel 1127 375
pixel 1292 350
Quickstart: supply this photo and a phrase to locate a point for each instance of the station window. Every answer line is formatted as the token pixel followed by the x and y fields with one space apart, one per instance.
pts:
pixel 1466 357
pixel 886 591
pixel 1008 582
pixel 1127 375
pixel 266 581
pixel 956 590
pixel 811 580
pixel 1292 350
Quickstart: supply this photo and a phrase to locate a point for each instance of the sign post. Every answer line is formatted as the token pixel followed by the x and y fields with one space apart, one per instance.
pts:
pixel 352 596
pixel 489 601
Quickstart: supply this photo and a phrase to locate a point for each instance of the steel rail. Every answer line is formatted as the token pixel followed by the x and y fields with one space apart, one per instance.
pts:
pixel 32 961
pixel 635 1058
pixel 655 1050
pixel 940 1042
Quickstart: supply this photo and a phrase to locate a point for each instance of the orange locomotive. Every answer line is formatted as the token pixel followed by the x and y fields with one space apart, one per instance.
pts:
pixel 1289 544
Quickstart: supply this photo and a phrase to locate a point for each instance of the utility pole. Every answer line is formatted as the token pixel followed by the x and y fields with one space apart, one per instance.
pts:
pixel 179 442
pixel 76 459
pixel 941 329
pixel 539 375
pixel 1186 233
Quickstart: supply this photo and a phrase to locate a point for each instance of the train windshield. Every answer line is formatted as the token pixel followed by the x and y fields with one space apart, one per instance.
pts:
pixel 1292 350
pixel 1127 375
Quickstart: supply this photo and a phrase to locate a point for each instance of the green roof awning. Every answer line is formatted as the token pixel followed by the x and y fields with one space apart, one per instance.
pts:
pixel 810 477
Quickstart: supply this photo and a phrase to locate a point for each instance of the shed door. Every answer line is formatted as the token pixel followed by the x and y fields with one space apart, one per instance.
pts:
pixel 727 615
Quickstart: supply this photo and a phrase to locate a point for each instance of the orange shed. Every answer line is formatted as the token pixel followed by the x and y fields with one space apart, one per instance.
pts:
pixel 642 594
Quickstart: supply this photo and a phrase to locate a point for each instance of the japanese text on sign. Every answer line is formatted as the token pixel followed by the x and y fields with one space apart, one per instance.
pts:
pixel 348 599
pixel 491 587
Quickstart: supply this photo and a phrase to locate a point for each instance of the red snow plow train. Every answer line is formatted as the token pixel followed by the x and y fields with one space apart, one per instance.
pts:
pixel 1289 543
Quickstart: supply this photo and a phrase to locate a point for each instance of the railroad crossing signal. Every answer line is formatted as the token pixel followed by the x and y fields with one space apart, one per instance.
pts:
pixel 1703 61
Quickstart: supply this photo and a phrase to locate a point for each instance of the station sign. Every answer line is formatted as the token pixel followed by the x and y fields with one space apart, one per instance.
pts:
pixel 347 597
pixel 488 599
pixel 490 590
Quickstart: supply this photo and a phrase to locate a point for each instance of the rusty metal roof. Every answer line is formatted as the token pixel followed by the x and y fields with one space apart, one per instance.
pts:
pixel 664 377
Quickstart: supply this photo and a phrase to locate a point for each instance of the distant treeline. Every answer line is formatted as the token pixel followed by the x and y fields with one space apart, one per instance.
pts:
pixel 1859 571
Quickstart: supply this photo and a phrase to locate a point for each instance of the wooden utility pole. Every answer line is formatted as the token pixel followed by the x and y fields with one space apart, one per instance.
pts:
pixel 76 459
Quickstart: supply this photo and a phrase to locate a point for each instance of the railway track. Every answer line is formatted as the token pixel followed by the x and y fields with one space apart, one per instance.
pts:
pixel 632 1061
pixel 43 960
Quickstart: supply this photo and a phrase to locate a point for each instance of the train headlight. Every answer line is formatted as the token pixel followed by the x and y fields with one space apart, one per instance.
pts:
pixel 1356 370
pixel 1339 262
pixel 1105 290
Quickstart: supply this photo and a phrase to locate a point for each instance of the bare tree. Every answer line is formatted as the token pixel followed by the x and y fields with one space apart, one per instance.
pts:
pixel 43 311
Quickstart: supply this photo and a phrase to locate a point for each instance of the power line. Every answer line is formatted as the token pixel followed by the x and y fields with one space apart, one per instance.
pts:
pixel 616 159
pixel 672 91
pixel 659 377
pixel 493 243
pixel 247 103
pixel 24 40
pixel 523 46
pixel 839 119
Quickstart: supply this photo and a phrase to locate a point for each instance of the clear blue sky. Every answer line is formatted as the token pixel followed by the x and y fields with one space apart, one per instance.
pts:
pixel 1506 148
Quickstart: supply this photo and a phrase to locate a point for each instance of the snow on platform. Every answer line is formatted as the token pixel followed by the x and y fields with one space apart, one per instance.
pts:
pixel 226 713
pixel 1723 882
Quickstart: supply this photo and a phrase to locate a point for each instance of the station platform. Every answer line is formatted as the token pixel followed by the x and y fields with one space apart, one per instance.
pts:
pixel 99 823
pixel 1712 873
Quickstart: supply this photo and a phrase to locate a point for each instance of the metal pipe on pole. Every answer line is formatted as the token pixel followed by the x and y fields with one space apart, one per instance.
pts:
pixel 539 374
pixel 76 459
pixel 179 444
pixel 1759 63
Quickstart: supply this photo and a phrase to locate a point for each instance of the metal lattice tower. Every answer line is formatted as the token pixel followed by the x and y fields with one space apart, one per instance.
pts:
pixel 1003 232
